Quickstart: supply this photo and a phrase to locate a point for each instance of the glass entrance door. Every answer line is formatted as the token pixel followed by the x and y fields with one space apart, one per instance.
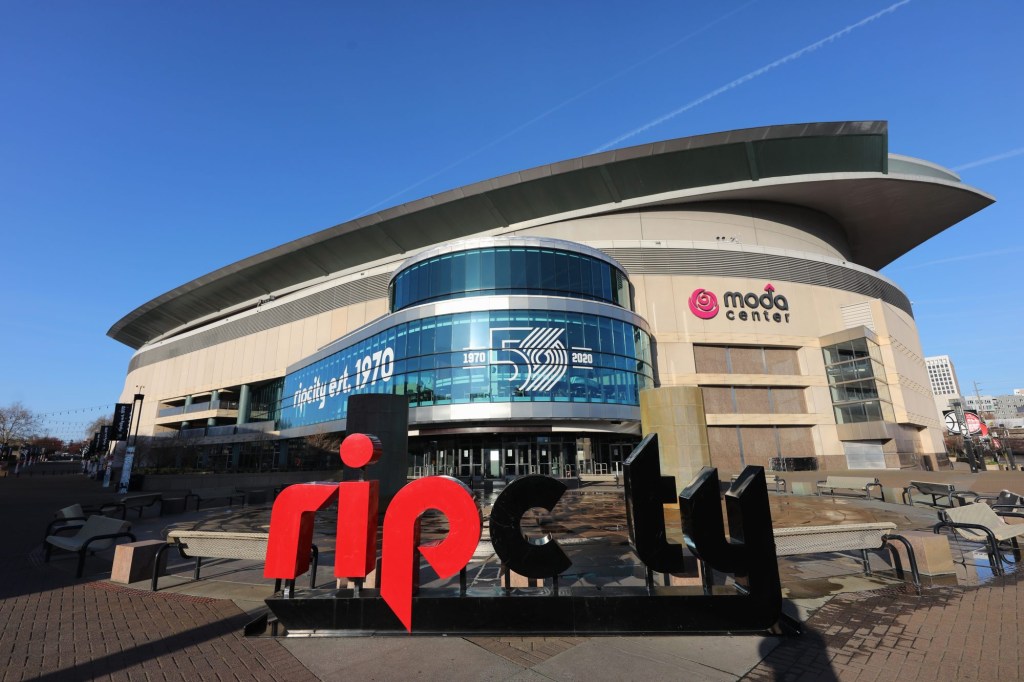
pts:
pixel 471 462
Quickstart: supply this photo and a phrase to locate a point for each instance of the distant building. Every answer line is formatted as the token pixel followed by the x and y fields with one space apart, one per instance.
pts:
pixel 1002 407
pixel 981 403
pixel 942 376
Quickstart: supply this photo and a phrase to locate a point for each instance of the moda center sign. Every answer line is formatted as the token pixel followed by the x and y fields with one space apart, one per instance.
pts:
pixel 743 306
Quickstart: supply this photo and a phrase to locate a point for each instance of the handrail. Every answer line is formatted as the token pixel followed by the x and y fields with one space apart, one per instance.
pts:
pixel 911 558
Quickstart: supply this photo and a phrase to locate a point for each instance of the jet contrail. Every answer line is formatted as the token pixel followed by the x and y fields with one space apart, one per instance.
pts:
pixel 956 259
pixel 564 103
pixel 752 75
pixel 991 159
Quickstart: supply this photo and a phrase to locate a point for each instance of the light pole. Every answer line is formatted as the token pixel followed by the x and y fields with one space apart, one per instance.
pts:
pixel 961 418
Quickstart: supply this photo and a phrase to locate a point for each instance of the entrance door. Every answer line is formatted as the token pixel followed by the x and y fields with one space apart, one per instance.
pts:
pixel 544 459
pixel 619 453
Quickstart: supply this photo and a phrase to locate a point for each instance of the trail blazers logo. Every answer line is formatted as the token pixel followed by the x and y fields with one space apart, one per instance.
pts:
pixel 538 355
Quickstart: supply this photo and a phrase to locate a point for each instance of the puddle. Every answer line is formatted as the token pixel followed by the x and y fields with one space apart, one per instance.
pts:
pixel 808 589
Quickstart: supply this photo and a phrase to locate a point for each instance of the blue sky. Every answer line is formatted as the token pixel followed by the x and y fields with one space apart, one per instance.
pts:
pixel 144 144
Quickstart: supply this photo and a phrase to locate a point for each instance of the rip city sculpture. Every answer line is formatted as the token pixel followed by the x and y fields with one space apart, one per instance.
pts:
pixel 753 604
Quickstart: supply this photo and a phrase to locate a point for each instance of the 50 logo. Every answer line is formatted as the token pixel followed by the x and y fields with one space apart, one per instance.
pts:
pixel 538 355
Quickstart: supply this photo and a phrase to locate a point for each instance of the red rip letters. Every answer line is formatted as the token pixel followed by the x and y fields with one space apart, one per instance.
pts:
pixel 291 528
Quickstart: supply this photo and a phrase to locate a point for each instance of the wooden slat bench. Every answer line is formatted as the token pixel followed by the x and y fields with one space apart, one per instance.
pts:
pixel 200 544
pixel 855 485
pixel 847 537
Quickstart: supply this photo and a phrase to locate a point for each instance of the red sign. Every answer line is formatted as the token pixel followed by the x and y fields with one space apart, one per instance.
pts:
pixel 703 304
pixel 975 424
pixel 291 528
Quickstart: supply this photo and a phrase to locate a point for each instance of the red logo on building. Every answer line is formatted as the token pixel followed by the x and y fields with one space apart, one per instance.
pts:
pixel 703 304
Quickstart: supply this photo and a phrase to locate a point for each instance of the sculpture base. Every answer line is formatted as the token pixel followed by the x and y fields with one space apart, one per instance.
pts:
pixel 534 611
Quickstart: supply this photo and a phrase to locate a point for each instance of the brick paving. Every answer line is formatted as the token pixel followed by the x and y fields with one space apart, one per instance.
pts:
pixel 58 628
pixel 948 633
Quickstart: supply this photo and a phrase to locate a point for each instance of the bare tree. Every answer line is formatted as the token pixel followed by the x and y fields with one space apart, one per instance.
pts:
pixel 323 441
pixel 17 424
pixel 95 425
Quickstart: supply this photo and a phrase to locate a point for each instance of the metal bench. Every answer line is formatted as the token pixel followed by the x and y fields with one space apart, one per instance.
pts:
pixel 140 501
pixel 175 501
pixel 860 485
pixel 979 522
pixel 68 518
pixel 947 491
pixel 847 537
pixel 200 544
pixel 226 493
pixel 1003 501
pixel 779 483
pixel 98 533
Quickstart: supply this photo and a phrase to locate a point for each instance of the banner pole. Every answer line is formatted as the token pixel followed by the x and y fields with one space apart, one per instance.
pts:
pixel 130 443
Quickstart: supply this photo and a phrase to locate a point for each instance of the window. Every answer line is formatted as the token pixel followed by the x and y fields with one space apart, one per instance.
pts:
pixel 856 380
pixel 745 360
pixel 473 357
pixel 509 270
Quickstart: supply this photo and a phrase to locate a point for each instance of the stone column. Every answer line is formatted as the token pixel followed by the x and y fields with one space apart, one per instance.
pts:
pixel 184 411
pixel 676 414
pixel 243 404
pixel 214 397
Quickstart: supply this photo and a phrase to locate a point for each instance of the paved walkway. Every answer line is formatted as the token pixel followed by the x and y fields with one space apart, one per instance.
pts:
pixel 58 628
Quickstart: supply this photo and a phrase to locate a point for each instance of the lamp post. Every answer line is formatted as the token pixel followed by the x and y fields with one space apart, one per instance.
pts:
pixel 1011 461
pixel 961 418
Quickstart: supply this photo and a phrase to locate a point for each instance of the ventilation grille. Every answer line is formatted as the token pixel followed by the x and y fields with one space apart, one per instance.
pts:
pixel 857 315
pixel 769 267
pixel 349 293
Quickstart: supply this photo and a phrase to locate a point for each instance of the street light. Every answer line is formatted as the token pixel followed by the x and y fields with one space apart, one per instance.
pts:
pixel 973 459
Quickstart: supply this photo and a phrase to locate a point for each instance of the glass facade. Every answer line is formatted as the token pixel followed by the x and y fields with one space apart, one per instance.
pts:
pixel 856 380
pixel 509 270
pixel 265 402
pixel 495 356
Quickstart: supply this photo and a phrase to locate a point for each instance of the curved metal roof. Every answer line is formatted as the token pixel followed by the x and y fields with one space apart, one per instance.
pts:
pixel 887 206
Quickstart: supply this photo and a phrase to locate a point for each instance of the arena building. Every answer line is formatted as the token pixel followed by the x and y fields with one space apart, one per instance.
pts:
pixel 720 290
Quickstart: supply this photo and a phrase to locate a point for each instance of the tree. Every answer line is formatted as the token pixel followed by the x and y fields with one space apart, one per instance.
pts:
pixel 954 445
pixel 47 445
pixel 95 425
pixel 323 441
pixel 17 424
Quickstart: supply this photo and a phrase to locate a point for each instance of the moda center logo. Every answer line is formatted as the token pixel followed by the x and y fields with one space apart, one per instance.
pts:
pixel 746 307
